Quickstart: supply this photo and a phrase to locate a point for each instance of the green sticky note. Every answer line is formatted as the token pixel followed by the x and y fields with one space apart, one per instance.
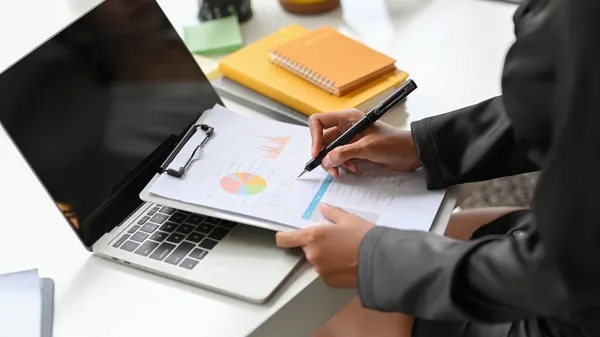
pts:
pixel 218 36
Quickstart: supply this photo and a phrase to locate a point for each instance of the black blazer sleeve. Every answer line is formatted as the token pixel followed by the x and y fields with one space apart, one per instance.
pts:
pixel 475 143
pixel 553 269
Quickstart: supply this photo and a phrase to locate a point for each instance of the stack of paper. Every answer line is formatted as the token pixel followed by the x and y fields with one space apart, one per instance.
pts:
pixel 26 303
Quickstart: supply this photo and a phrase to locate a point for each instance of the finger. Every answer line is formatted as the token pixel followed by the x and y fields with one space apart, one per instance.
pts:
pixel 293 239
pixel 336 118
pixel 333 214
pixel 333 171
pixel 316 134
pixel 331 134
pixel 318 122
pixel 350 166
pixel 342 154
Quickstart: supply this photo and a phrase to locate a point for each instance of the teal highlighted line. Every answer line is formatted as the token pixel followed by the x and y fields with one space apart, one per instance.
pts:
pixel 317 198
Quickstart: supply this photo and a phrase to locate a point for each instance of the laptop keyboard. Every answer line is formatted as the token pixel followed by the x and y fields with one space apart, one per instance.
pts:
pixel 174 237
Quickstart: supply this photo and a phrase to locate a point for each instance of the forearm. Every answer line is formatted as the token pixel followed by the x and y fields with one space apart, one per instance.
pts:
pixel 475 143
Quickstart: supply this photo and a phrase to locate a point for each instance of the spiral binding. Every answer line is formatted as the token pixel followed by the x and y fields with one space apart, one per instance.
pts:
pixel 304 72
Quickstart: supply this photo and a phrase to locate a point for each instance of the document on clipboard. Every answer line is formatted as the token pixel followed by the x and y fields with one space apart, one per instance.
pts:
pixel 249 166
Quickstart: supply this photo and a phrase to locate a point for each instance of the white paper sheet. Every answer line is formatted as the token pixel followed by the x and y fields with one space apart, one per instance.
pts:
pixel 250 167
pixel 20 304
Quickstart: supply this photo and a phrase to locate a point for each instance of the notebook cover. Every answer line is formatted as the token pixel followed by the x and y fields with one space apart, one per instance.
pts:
pixel 331 60
pixel 230 89
pixel 250 66
pixel 214 37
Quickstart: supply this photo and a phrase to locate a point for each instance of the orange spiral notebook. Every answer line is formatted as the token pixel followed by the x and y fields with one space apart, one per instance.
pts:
pixel 250 66
pixel 332 61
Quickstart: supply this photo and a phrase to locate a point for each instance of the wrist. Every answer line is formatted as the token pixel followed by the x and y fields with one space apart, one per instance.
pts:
pixel 412 155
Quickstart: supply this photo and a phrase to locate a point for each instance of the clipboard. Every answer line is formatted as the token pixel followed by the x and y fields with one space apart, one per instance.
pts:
pixel 146 196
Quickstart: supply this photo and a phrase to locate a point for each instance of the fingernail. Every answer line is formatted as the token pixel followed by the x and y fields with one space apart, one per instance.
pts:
pixel 325 207
pixel 326 162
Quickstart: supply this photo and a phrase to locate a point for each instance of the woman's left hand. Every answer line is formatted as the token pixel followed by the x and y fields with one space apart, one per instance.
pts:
pixel 331 248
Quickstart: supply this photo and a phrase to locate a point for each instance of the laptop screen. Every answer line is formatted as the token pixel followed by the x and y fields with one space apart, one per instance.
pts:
pixel 97 108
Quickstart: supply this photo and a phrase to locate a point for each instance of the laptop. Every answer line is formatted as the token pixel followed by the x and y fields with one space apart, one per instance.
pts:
pixel 95 111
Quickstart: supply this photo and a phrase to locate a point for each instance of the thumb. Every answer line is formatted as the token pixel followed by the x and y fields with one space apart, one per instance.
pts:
pixel 342 154
pixel 333 214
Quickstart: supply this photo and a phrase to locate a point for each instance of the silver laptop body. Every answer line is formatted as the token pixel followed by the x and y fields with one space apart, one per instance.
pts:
pixel 94 111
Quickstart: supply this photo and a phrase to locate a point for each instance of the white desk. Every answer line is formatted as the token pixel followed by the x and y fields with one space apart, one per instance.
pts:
pixel 453 49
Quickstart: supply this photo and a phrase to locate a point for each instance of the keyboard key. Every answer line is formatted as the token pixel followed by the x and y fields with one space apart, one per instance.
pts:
pixel 228 224
pixel 179 253
pixel 159 236
pixel 195 237
pixel 129 246
pixel 167 210
pixel 168 227
pixel 212 221
pixel 159 218
pixel 175 237
pixel 146 248
pixel 205 228
pixel 188 263
pixel 178 217
pixel 218 233
pixel 143 220
pixel 139 237
pixel 208 244
pixel 198 253
pixel 133 229
pixel 121 240
pixel 153 211
pixel 162 251
pixel 194 219
pixel 185 229
pixel 149 228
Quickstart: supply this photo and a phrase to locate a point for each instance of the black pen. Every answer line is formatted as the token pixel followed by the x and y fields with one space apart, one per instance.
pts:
pixel 370 117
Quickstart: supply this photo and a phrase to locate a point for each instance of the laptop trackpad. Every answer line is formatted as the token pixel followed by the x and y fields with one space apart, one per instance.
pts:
pixel 248 261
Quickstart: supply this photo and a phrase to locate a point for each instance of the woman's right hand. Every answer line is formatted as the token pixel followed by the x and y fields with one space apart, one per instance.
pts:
pixel 381 143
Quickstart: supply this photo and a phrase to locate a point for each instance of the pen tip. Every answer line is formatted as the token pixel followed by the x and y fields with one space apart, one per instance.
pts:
pixel 301 174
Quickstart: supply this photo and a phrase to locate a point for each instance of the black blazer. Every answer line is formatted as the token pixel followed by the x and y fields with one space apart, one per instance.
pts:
pixel 548 119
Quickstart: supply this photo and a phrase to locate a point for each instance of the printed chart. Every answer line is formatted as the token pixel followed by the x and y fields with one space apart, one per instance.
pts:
pixel 273 146
pixel 251 168
pixel 243 184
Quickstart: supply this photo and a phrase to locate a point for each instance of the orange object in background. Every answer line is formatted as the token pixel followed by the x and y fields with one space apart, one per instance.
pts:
pixel 308 7
pixel 251 67
pixel 332 61
pixel 69 214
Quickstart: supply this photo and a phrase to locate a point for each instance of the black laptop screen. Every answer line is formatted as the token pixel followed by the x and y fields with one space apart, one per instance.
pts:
pixel 95 109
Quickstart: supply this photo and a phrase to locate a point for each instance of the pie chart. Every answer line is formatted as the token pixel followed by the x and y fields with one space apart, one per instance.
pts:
pixel 243 184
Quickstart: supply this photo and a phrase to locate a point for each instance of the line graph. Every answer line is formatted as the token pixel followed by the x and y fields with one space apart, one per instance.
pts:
pixel 273 145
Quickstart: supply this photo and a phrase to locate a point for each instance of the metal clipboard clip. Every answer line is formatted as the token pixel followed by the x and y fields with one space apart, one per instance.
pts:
pixel 179 173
